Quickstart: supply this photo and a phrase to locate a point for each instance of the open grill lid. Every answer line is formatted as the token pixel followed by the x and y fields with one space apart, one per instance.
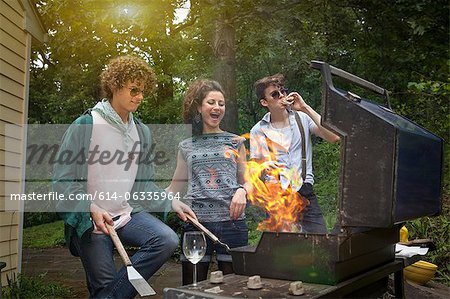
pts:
pixel 391 168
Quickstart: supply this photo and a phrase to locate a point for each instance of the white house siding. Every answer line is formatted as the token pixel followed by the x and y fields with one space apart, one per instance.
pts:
pixel 19 26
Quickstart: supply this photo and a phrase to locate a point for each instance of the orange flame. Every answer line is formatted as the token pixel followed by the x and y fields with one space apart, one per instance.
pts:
pixel 284 207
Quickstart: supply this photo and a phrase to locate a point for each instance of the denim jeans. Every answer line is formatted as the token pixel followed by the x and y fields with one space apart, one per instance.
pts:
pixel 312 221
pixel 234 233
pixel 156 242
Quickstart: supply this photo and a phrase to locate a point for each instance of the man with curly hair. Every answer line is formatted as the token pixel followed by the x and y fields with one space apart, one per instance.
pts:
pixel 112 170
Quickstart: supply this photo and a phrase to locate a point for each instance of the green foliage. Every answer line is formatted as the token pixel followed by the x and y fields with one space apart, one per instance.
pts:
pixel 85 34
pixel 436 229
pixel 44 235
pixel 326 176
pixel 253 236
pixel 432 110
pixel 431 105
pixel 37 218
pixel 254 216
pixel 24 287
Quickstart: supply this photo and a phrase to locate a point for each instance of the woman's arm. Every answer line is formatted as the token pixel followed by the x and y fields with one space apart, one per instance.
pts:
pixel 239 200
pixel 242 168
pixel 179 180
pixel 180 176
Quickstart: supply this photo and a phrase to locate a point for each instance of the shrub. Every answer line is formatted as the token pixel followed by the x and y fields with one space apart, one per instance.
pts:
pixel 326 162
pixel 36 218
pixel 436 229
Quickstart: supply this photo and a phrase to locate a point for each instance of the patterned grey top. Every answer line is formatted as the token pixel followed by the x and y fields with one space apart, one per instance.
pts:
pixel 212 172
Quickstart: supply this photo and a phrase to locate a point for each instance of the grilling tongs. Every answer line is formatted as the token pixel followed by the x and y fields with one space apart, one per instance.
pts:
pixel 206 231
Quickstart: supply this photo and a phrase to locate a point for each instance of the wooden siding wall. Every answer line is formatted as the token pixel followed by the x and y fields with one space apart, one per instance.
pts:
pixel 14 45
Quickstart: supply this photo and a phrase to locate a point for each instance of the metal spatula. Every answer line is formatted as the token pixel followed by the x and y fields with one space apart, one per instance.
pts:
pixel 138 282
pixel 206 231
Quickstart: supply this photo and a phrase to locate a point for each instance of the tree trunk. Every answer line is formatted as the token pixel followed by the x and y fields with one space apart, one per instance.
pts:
pixel 225 70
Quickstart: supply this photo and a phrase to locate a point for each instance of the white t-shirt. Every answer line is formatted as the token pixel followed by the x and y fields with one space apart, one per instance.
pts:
pixel 282 136
pixel 110 174
pixel 288 157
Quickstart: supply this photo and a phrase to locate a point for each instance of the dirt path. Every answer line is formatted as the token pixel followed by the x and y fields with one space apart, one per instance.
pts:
pixel 430 291
pixel 58 265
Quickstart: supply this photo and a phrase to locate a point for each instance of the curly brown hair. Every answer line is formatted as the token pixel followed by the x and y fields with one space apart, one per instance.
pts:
pixel 124 69
pixel 261 85
pixel 193 98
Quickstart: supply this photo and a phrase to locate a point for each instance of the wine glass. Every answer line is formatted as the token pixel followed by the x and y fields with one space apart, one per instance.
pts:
pixel 194 249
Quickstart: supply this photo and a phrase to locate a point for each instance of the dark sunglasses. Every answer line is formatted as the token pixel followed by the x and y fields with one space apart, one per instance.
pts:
pixel 134 91
pixel 277 94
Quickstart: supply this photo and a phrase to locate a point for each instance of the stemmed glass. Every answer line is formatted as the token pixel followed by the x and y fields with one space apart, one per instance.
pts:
pixel 194 249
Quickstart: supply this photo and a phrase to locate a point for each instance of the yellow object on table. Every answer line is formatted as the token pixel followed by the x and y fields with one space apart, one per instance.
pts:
pixel 420 272
pixel 403 234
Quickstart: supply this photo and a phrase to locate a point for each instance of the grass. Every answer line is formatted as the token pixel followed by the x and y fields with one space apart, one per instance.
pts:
pixel 44 235
pixel 34 288
pixel 24 287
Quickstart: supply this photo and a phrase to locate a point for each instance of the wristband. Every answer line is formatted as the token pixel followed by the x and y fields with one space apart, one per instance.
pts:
pixel 242 186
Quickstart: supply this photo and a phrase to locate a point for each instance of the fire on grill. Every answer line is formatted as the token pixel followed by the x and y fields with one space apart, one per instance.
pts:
pixel 283 206
pixel 391 172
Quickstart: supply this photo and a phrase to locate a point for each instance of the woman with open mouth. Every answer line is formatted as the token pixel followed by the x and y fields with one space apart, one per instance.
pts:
pixel 212 162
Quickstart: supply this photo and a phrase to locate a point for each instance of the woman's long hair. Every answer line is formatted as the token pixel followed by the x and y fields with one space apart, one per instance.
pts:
pixel 193 98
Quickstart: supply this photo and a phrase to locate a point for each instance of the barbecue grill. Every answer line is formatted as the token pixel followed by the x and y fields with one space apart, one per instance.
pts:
pixel 390 172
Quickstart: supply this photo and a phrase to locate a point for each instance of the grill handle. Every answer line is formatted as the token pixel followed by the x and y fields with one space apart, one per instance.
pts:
pixel 327 69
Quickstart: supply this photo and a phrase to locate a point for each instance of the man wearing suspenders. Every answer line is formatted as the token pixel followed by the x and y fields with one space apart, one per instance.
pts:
pixel 282 139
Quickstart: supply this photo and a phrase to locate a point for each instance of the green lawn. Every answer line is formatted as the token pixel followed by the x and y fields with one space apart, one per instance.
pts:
pixel 44 235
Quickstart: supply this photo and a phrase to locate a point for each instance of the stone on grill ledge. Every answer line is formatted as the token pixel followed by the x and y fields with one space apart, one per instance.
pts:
pixel 296 288
pixel 216 277
pixel 254 282
pixel 214 290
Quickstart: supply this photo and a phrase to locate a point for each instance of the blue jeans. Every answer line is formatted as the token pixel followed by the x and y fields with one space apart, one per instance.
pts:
pixel 312 221
pixel 156 242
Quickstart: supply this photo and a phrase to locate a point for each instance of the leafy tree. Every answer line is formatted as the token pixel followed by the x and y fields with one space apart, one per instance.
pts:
pixel 84 34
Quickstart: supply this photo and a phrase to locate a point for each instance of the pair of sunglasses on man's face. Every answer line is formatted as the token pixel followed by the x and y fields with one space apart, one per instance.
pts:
pixel 277 94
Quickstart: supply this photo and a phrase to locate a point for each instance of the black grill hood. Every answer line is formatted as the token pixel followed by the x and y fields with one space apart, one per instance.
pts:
pixel 391 168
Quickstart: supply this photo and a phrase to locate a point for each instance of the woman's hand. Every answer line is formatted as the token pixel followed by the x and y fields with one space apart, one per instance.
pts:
pixel 100 216
pixel 181 208
pixel 238 203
